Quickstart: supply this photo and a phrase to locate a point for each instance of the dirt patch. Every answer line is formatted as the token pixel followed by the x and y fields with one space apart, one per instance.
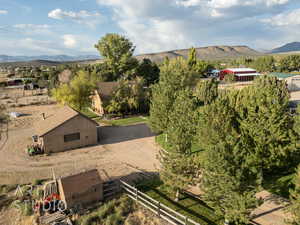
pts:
pixel 121 152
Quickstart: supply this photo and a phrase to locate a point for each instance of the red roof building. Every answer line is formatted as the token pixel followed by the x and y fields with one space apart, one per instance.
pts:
pixel 241 74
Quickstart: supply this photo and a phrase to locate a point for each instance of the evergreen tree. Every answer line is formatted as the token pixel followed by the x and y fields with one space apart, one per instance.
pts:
pixel 192 58
pixel 297 121
pixel 264 117
pixel 294 208
pixel 180 167
pixel 174 76
pixel 228 182
pixel 206 91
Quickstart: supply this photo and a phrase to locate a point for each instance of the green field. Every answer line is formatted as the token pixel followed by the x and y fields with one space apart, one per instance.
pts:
pixel 187 205
pixel 125 122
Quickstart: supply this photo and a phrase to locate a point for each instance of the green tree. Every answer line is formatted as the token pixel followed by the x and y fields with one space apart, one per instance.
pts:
pixel 206 91
pixel 117 51
pixel 174 76
pixel 297 121
pixel 3 118
pixel 192 58
pixel 264 64
pixel 179 166
pixel 129 97
pixel 264 117
pixel 149 71
pixel 289 63
pixel 228 182
pixel 77 93
pixel 294 208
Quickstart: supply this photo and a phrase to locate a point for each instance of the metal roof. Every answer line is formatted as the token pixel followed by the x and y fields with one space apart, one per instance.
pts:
pixel 283 75
pixel 241 70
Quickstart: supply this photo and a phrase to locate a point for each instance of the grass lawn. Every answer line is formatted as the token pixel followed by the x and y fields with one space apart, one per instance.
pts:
pixel 189 206
pixel 160 139
pixel 125 122
pixel 89 113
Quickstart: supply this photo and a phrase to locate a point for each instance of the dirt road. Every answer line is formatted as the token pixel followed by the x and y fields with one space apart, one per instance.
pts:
pixel 122 151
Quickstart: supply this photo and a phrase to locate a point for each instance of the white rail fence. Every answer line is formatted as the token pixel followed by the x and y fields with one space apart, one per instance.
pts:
pixel 156 207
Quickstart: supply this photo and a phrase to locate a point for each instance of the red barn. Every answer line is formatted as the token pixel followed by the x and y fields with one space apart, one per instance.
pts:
pixel 241 74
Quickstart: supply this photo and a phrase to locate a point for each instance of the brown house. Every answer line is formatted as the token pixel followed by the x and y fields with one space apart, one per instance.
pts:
pixel 66 129
pixel 102 96
pixel 81 189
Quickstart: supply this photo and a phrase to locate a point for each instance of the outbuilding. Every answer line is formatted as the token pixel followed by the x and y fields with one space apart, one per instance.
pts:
pixel 66 129
pixel 241 74
pixel 81 189
pixel 292 80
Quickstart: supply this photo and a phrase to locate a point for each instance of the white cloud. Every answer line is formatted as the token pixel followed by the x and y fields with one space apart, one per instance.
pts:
pixel 69 41
pixel 90 19
pixel 291 18
pixel 3 12
pixel 33 29
pixel 154 26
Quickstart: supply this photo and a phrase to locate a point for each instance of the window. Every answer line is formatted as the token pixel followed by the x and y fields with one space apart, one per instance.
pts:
pixel 72 137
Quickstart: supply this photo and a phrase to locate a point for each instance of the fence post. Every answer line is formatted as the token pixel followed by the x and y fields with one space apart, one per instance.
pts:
pixel 136 194
pixel 186 220
pixel 158 209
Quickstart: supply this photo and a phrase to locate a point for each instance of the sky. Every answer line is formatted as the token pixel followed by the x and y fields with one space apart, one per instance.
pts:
pixel 73 27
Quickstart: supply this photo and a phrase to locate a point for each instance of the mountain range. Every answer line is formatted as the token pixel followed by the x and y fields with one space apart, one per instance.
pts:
pixel 56 58
pixel 205 53
pixel 290 47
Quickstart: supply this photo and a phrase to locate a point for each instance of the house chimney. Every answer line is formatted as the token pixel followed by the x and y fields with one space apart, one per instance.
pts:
pixel 43 115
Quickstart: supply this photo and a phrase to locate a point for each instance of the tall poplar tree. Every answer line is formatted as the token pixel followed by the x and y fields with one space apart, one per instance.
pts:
pixel 228 182
pixel 180 168
pixel 175 75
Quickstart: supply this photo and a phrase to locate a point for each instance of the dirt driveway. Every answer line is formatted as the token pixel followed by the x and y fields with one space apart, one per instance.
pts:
pixel 122 151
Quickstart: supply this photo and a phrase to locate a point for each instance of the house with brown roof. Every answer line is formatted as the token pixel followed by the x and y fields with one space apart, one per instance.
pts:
pixel 102 95
pixel 81 189
pixel 66 129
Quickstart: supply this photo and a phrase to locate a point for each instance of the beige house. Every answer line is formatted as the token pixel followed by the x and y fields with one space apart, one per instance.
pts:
pixel 64 130
pixel 102 95
pixel 81 189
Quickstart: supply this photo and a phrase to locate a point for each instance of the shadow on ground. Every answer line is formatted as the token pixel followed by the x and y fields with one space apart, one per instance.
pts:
pixel 117 134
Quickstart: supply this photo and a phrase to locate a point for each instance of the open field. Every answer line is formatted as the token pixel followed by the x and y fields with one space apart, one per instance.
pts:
pixel 122 151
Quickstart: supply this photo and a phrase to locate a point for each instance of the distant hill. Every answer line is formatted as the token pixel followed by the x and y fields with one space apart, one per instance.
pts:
pixel 55 58
pixel 34 63
pixel 290 47
pixel 205 53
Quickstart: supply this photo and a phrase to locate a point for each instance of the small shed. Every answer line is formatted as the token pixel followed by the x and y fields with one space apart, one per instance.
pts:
pixel 81 189
pixel 66 129
pixel 292 80
pixel 102 95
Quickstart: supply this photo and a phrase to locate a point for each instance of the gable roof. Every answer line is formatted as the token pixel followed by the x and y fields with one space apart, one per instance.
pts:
pixel 105 89
pixel 61 116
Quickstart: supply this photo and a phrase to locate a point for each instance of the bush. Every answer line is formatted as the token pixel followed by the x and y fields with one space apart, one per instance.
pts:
pixel 230 78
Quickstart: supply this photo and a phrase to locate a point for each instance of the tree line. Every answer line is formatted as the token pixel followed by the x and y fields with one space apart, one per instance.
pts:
pixel 242 137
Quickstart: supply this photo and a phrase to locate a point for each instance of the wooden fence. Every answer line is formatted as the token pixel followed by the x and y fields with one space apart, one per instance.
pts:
pixel 156 207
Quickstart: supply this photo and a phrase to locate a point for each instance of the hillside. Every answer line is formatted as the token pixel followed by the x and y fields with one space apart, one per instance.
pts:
pixel 290 47
pixel 35 63
pixel 205 53
pixel 56 58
